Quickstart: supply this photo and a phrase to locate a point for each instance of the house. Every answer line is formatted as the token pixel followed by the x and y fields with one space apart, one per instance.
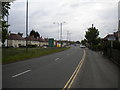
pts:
pixel 110 37
pixel 31 40
pixel 15 40
pixel 42 42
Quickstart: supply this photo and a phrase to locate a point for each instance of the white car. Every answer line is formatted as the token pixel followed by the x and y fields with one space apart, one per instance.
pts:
pixel 82 46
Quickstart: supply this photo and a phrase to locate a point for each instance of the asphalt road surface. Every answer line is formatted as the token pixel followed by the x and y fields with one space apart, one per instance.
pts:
pixel 51 71
pixel 55 70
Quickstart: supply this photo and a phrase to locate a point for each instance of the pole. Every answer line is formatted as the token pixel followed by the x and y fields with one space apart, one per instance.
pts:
pixel 58 28
pixel 7 31
pixel 27 26
pixel 67 35
pixel 61 34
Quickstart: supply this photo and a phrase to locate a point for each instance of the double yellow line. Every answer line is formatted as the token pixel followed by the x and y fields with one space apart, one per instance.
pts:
pixel 72 78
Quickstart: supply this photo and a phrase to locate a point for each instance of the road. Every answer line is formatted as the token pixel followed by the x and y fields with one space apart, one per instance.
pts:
pixel 56 70
pixel 51 71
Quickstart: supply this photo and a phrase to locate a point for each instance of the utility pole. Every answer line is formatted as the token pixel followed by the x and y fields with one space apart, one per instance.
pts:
pixel 58 28
pixel 7 31
pixel 27 26
pixel 61 32
pixel 67 35
pixel 70 36
pixel 92 25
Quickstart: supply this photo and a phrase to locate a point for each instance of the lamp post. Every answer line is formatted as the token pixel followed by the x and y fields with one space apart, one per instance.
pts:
pixel 58 28
pixel 70 36
pixel 26 26
pixel 67 35
pixel 61 26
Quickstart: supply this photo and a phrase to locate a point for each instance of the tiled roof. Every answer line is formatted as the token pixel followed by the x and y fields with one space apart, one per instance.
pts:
pixel 13 36
pixel 109 35
pixel 31 38
pixel 41 39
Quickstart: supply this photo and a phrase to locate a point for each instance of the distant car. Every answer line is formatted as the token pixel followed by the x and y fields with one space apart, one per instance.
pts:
pixel 82 46
pixel 45 46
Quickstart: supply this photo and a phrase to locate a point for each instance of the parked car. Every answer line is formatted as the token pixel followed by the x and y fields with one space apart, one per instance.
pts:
pixel 82 46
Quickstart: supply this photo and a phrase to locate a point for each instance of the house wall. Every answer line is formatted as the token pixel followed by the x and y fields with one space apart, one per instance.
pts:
pixel 33 43
pixel 16 43
pixel 43 43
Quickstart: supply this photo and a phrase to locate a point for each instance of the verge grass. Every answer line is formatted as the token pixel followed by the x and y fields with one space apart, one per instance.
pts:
pixel 10 55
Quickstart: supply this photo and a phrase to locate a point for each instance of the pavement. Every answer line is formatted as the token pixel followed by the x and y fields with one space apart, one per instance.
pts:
pixel 97 72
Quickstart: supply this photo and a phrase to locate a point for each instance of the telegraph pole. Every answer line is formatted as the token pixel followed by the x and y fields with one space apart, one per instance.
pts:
pixel 27 26
pixel 58 29
pixel 7 31
pixel 67 35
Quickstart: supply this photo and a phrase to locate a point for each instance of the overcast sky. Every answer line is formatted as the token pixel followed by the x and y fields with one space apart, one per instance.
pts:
pixel 78 15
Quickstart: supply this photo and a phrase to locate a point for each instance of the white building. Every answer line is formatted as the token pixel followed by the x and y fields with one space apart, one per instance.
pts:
pixel 15 40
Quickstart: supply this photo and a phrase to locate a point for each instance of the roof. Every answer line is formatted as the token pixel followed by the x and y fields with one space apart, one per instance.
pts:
pixel 13 36
pixel 31 38
pixel 109 35
pixel 41 39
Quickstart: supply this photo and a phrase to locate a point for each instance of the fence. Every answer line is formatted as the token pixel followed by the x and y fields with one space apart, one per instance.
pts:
pixel 113 54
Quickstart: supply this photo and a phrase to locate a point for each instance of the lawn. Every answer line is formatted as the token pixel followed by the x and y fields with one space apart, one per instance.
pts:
pixel 10 55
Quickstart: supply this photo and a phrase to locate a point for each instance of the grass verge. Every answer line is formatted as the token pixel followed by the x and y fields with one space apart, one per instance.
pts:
pixel 10 55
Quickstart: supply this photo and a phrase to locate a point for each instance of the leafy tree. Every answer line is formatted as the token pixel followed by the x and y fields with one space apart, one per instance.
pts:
pixel 83 42
pixel 78 42
pixel 5 13
pixel 92 36
pixel 35 34
pixel 5 8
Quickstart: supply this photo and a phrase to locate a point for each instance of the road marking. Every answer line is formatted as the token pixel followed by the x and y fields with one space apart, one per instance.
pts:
pixel 57 59
pixel 72 78
pixel 21 73
pixel 68 54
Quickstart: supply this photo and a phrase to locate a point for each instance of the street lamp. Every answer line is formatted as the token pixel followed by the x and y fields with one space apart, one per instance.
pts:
pixel 58 28
pixel 67 34
pixel 60 24
pixel 26 26
pixel 70 36
pixel 61 32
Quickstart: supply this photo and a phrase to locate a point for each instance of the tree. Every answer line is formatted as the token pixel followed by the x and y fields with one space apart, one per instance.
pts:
pixel 5 8
pixel 78 42
pixel 5 13
pixel 4 31
pixel 92 36
pixel 35 34
pixel 83 42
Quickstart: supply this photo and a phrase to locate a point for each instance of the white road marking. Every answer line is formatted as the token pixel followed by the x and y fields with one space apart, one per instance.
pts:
pixel 21 73
pixel 57 59
pixel 68 54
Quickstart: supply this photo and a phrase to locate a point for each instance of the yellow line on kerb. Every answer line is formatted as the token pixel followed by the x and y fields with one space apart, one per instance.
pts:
pixel 72 78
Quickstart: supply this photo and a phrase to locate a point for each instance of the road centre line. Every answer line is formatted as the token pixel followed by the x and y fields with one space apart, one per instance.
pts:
pixel 57 59
pixel 72 78
pixel 21 73
pixel 68 54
